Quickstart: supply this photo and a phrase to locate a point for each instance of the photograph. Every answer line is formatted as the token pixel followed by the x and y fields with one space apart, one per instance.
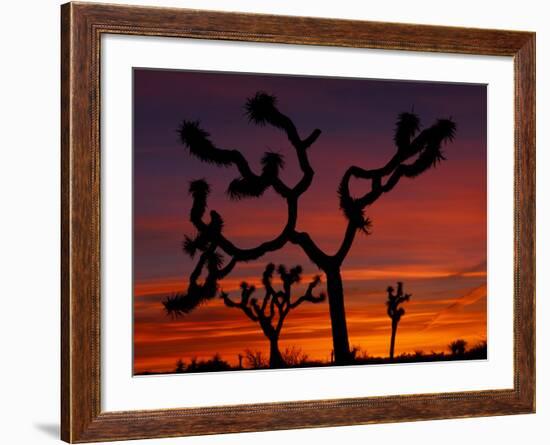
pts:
pixel 284 221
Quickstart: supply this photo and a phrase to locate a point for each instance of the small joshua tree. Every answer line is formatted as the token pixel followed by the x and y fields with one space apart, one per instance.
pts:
pixel 394 311
pixel 275 305
pixel 417 151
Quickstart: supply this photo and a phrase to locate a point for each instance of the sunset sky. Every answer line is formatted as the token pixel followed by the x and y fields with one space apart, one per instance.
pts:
pixel 429 232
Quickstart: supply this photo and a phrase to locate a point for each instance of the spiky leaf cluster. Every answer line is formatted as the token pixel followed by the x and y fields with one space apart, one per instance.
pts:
pixel 249 187
pixel 180 304
pixel 432 140
pixel 272 163
pixel 260 108
pixel 255 186
pixel 199 190
pixel 354 212
pixel 197 141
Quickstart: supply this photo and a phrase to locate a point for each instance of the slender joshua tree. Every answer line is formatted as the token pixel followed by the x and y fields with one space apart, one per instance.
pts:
pixel 275 305
pixel 416 152
pixel 395 312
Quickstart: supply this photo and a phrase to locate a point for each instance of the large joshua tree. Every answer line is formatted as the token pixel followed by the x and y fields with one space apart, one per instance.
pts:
pixel 395 311
pixel 416 152
pixel 275 305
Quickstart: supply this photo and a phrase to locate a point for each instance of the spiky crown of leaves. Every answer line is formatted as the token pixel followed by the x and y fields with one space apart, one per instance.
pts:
pixel 260 108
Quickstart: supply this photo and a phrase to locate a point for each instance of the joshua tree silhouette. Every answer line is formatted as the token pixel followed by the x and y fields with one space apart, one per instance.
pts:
pixel 394 311
pixel 275 306
pixel 417 151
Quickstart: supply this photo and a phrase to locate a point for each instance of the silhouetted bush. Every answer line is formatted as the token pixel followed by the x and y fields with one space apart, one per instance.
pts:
pixel 294 356
pixel 458 347
pixel 212 365
pixel 255 359
pixel 479 351
pixel 358 353
pixel 180 366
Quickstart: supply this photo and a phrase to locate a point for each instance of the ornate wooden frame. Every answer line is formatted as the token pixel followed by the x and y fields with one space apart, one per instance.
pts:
pixel 82 25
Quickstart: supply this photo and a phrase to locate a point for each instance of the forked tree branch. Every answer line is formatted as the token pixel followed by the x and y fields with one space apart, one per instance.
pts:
pixel 275 305
pixel 261 109
pixel 424 151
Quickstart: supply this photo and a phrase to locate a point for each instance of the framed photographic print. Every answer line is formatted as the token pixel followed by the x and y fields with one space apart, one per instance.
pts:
pixel 283 222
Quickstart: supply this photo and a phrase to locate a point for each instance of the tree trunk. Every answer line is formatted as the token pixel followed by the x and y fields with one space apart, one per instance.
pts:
pixel 335 291
pixel 275 357
pixel 392 342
